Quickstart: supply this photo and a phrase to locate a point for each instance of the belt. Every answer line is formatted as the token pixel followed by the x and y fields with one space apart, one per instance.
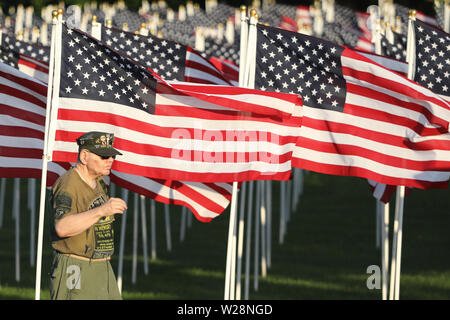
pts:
pixel 84 258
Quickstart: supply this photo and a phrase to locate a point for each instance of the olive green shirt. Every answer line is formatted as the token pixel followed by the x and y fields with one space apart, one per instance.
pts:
pixel 72 195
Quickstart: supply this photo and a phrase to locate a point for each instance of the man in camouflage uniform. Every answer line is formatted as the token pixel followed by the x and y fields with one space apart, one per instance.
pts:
pixel 82 233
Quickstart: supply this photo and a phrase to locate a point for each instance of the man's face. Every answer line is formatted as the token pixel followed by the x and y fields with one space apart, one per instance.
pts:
pixel 96 165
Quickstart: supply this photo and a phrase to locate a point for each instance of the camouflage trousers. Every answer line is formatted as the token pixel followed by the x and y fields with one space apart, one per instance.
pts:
pixel 72 278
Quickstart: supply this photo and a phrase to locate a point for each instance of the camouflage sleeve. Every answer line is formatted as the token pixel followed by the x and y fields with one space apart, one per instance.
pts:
pixel 62 204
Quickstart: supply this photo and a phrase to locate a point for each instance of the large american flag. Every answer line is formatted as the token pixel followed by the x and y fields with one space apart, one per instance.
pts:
pixel 22 127
pixel 358 118
pixel 183 132
pixel 171 60
pixel 432 59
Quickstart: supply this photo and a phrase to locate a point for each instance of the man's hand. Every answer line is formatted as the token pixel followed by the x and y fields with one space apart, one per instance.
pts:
pixel 113 206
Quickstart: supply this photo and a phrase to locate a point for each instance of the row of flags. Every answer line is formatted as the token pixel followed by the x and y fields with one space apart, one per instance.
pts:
pixel 339 111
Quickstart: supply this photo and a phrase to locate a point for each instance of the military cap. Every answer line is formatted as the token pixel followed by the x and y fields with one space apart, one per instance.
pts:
pixel 100 143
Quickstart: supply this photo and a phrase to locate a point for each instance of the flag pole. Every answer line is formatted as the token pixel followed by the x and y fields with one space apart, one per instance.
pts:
pixel 144 233
pixel 135 238
pixel 229 281
pixel 384 248
pixel 45 157
pixel 382 208
pixel 400 196
pixel 122 242
pixel 240 241
pixel 16 217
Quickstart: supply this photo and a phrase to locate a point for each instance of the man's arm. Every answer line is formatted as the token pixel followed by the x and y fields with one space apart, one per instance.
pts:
pixel 74 224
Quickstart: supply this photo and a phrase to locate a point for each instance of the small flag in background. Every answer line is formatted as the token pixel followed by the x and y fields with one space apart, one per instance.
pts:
pixel 32 50
pixel 30 66
pixel 169 59
pixel 432 59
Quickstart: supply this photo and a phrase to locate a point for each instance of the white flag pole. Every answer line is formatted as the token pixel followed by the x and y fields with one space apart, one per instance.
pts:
pixel 231 233
pixel 144 233
pixel 269 222
pixel 282 212
pixel 135 238
pixel 168 234
pixel 46 155
pixel 230 281
pixel 263 219
pixel 122 241
pixel 240 241
pixel 400 196
pixel 16 216
pixel 2 199
pixel 257 223
pixel 153 227
pixel 447 16
pixel 183 223
pixel 247 244
pixel 384 248
pixel 382 208
pixel 32 206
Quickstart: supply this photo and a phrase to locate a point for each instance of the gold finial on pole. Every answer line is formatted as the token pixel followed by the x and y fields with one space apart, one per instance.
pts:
pixel 94 19
pixel 60 11
pixel 253 13
pixel 412 14
pixel 55 13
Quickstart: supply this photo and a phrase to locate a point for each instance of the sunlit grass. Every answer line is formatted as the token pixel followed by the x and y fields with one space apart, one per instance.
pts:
pixel 329 244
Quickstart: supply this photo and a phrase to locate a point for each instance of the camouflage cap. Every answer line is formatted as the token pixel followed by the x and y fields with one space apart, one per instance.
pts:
pixel 100 143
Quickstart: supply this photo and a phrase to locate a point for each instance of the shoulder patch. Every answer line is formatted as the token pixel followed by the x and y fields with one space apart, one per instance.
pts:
pixel 62 204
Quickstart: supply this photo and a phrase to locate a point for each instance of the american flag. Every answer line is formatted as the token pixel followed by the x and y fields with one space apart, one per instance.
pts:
pixel 303 16
pixel 381 191
pixel 222 49
pixel 432 59
pixel 183 132
pixel 31 66
pixel 390 63
pixel 346 29
pixel 33 50
pixel 22 127
pixel 171 60
pixel 206 200
pixel 384 192
pixel 358 118
pixel 396 50
pixel 229 70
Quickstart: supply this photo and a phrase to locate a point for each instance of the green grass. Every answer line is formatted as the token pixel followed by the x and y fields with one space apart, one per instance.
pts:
pixel 329 244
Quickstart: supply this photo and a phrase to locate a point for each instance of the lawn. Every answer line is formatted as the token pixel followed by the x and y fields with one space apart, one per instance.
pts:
pixel 329 244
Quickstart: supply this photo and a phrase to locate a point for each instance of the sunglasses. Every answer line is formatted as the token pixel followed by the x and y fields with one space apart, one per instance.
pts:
pixel 103 157
pixel 107 157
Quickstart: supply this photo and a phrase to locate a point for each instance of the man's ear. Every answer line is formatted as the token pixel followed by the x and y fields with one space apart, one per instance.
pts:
pixel 83 156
